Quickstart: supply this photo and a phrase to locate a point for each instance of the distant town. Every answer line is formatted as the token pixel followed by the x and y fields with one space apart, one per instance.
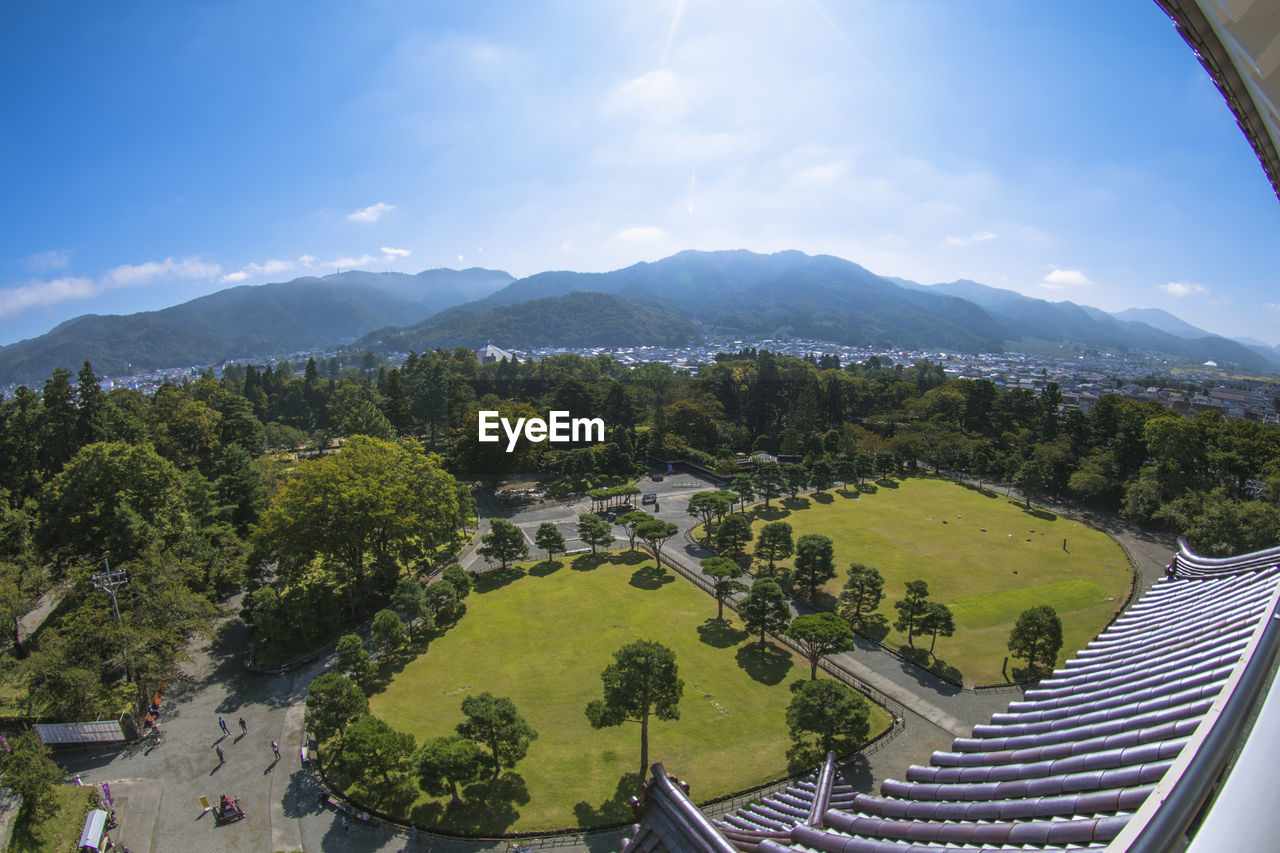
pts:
pixel 1083 376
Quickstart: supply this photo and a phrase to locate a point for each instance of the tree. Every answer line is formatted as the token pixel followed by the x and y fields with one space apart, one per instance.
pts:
pixel 815 563
pixel 847 471
pixel 441 598
pixel 654 533
pixel 837 715
pixel 862 593
pixel 821 475
pixel 387 632
pixel 744 487
pixel 1031 480
pixel 595 531
pixel 495 722
pixel 642 681
pixel 549 539
pixel 29 771
pixel 733 533
pixel 630 522
pixel 374 752
pixel 708 506
pixel 409 601
pixel 504 542
pixel 912 608
pixel 937 621
pixel 768 481
pixel 332 702
pixel 723 574
pixel 443 763
pixel 820 634
pixel 353 660
pixel 796 478
pixel 765 608
pixel 460 578
pixel 774 543
pixel 1037 637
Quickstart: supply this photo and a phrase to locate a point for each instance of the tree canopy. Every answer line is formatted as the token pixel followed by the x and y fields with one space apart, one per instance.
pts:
pixel 642 681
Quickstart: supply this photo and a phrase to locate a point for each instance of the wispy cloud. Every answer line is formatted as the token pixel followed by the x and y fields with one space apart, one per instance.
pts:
pixel 396 253
pixel 1182 288
pixel 33 294
pixel 976 237
pixel 641 232
pixel 271 267
pixel 1061 279
pixel 372 213
pixel 351 263
pixel 42 262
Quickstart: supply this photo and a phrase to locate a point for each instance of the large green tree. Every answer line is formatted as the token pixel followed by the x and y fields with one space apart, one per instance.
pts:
pixel 504 543
pixel 376 755
pixel 814 565
pixel 372 502
pixel 820 634
pixel 642 681
pixel 911 608
pixel 836 716
pixel 733 533
pixel 723 574
pixel 774 543
pixel 29 770
pixel 862 593
pixel 443 763
pixel 1037 637
pixel 654 533
pixel 495 722
pixel 765 608
pixel 550 539
pixel 333 701
pixel 595 531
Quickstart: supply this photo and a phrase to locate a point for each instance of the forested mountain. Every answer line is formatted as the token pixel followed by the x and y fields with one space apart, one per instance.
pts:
pixel 577 319
pixel 246 322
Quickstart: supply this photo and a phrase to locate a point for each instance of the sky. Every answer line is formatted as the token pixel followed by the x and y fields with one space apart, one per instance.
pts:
pixel 155 152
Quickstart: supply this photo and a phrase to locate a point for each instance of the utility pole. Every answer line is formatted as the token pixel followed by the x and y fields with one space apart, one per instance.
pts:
pixel 110 581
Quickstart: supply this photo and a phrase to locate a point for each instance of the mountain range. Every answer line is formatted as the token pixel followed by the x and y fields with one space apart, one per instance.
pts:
pixel 672 301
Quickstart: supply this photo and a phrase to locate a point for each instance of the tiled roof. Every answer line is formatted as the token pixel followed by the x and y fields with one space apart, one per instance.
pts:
pixel 1154 705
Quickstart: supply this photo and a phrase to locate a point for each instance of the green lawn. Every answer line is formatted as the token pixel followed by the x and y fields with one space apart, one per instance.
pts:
pixel 61 829
pixel 986 558
pixel 542 638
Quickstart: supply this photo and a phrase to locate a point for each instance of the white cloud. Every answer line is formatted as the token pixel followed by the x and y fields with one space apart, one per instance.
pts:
pixel 976 237
pixel 1061 279
pixel 307 260
pixel 1182 288
pixel 372 213
pixel 39 293
pixel 351 263
pixel 48 261
pixel 235 277
pixel 135 275
pixel 396 253
pixel 658 95
pixel 272 267
pixel 641 232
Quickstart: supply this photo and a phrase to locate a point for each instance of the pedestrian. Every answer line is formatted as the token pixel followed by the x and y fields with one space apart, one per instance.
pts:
pixel 222 759
pixel 275 747
pixel 222 724
pixel 346 827
pixel 244 727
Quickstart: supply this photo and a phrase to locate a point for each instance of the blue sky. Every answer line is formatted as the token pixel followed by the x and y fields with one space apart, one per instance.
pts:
pixel 154 152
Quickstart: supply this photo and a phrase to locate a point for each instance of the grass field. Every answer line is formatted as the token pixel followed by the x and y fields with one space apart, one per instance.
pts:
pixel 542 639
pixel 983 556
pixel 61 829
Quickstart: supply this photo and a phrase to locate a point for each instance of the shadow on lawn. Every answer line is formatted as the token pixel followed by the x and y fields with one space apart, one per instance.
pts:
pixel 487 807
pixel 770 513
pixel 823 497
pixel 650 577
pixel 796 504
pixel 496 579
pixel 765 663
pixel 587 562
pixel 546 567
pixel 616 809
pixel 720 633
pixel 1042 514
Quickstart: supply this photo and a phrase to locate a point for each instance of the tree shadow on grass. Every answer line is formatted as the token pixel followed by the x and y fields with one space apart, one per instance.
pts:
pixel 1042 514
pixel 616 809
pixel 823 497
pixel 868 488
pixel 766 663
pixel 796 504
pixel 771 513
pixel 487 807
pixel 720 633
pixel 650 577
pixel 587 562
pixel 630 558
pixel 546 567
pixel 1022 675
pixel 496 579
pixel 887 483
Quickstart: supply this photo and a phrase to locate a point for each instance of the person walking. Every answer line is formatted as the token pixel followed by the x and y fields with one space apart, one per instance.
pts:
pixel 222 759
pixel 275 747
pixel 244 727
pixel 222 724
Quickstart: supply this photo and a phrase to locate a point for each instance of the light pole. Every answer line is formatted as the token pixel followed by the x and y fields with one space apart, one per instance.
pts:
pixel 110 581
